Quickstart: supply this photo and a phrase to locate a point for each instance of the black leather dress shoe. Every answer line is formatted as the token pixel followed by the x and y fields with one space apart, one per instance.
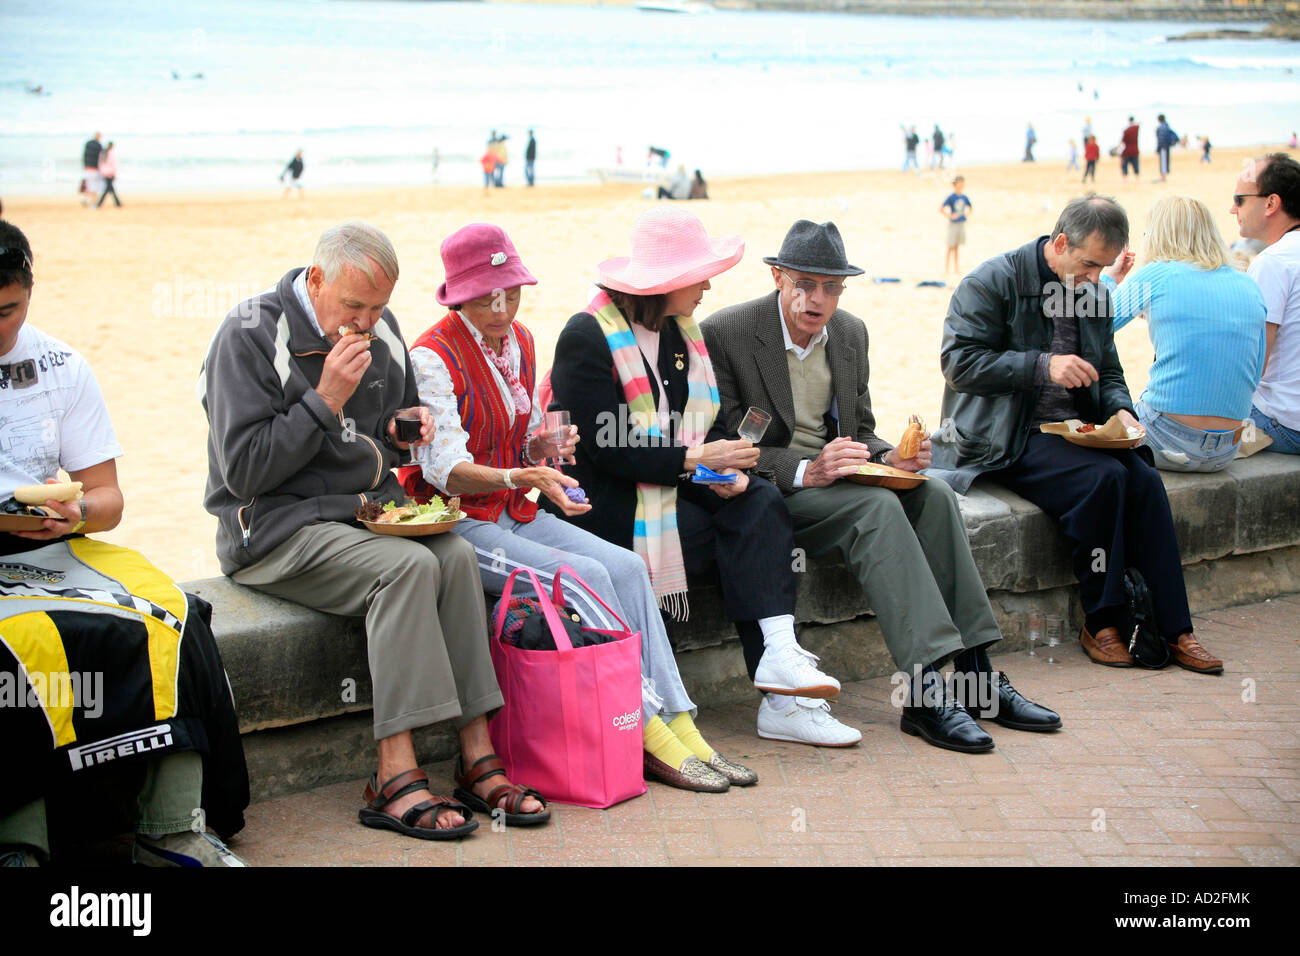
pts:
pixel 1012 709
pixel 947 725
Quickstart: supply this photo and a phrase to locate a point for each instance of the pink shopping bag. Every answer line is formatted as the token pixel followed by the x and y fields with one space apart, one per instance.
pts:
pixel 571 723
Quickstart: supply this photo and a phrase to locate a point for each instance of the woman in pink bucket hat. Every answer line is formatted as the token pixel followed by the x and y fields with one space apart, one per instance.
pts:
pixel 477 373
pixel 634 372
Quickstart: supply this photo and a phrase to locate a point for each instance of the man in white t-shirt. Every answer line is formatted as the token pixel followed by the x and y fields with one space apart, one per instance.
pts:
pixel 1266 203
pixel 76 612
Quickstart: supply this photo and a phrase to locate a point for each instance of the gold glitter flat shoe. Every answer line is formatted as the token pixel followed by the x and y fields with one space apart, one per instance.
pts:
pixel 694 774
pixel 738 775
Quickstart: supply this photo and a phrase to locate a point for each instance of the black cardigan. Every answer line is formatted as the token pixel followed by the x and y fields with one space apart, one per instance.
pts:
pixel 612 455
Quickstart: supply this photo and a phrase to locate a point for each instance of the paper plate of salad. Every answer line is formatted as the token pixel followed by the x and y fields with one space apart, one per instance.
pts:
pixel 411 519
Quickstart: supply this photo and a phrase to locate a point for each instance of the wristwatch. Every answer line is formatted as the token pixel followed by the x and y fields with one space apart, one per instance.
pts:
pixel 82 523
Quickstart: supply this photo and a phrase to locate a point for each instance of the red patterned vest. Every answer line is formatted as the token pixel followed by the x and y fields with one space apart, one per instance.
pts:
pixel 483 415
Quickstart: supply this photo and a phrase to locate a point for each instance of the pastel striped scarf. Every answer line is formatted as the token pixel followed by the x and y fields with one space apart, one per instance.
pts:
pixel 654 536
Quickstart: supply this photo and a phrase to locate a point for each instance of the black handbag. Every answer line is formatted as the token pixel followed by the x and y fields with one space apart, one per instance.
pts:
pixel 1145 644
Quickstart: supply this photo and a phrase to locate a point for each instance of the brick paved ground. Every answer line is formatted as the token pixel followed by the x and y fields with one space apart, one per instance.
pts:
pixel 1157 768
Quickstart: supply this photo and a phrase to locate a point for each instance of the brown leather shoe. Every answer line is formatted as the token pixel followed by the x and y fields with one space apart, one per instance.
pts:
pixel 1106 648
pixel 1189 653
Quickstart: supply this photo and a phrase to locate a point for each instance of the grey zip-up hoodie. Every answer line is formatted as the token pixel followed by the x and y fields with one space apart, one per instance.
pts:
pixel 278 458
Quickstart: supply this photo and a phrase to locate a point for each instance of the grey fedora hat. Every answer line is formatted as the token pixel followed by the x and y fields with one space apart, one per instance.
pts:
pixel 819 250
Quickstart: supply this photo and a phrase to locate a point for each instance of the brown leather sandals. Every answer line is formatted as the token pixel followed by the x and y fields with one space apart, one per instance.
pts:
pixel 491 766
pixel 419 821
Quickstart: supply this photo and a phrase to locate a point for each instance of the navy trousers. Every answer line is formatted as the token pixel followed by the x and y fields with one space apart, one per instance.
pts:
pixel 1113 507
pixel 750 540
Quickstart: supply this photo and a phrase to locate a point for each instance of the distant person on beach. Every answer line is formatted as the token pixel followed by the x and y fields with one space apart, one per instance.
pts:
pixel 1205 148
pixel 488 163
pixel 437 160
pixel 1022 347
pixel 91 180
pixel 699 188
pixel 530 158
pixel 1166 139
pixel 1074 157
pixel 502 155
pixel 1128 155
pixel 936 143
pixel 108 170
pixel 679 188
pixel 1293 142
pixel 955 209
pixel 910 142
pixel 1206 322
pixel 655 154
pixel 1030 139
pixel 797 355
pixel 1087 128
pixel 1091 153
pixel 1266 202
pixel 294 170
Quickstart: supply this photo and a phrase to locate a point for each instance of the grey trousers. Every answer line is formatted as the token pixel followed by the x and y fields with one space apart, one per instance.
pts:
pixel 910 553
pixel 425 620
pixel 618 575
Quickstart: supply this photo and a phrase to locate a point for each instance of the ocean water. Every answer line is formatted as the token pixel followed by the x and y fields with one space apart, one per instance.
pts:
pixel 220 95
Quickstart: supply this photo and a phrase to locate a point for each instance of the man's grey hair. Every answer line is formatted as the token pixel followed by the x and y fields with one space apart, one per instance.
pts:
pixel 357 244
pixel 1092 213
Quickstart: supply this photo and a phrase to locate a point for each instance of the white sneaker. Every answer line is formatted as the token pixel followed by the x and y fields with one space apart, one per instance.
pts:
pixel 189 848
pixel 791 670
pixel 806 721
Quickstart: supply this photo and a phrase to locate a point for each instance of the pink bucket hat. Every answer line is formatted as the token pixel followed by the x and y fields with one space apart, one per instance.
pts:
pixel 670 250
pixel 479 259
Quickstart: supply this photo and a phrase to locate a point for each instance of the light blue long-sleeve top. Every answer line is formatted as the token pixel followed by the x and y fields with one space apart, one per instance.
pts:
pixel 1207 328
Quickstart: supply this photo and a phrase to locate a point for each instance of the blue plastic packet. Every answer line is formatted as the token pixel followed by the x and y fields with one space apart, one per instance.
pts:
pixel 707 476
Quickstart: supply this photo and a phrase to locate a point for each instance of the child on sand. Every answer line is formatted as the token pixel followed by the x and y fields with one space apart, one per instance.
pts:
pixel 1091 153
pixel 955 208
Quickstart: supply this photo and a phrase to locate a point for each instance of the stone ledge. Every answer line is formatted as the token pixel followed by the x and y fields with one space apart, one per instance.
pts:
pixel 302 682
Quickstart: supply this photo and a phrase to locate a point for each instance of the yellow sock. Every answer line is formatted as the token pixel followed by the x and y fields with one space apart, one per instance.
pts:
pixel 685 731
pixel 662 744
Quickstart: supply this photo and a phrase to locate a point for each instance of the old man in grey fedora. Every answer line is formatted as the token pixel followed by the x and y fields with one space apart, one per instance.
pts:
pixel 796 354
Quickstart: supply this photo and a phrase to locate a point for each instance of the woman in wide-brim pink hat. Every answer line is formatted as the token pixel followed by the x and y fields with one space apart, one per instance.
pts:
pixel 477 373
pixel 635 375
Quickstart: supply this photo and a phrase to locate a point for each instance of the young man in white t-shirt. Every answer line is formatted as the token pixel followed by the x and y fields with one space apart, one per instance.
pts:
pixel 1266 203
pixel 52 416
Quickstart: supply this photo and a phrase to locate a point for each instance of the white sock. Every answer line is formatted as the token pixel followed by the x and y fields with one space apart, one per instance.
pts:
pixel 779 702
pixel 777 631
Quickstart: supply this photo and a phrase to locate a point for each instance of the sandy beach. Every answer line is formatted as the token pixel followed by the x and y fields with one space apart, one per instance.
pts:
pixel 140 289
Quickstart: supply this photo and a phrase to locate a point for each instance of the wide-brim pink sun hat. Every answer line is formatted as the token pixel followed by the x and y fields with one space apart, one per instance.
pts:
pixel 670 250
pixel 479 259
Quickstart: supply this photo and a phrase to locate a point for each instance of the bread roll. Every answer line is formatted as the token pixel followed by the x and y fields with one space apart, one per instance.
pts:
pixel 39 494
pixel 910 444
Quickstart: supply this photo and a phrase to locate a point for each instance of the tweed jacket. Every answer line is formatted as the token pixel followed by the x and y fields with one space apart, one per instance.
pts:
pixel 749 359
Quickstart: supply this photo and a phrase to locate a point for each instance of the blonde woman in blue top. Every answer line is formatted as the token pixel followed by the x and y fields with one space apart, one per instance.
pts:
pixel 1206 322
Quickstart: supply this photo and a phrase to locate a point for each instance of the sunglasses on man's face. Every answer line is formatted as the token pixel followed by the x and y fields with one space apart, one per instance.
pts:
pixel 1240 198
pixel 11 257
pixel 809 286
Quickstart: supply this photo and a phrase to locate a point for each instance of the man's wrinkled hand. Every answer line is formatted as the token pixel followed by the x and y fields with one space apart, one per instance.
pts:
pixel 842 456
pixel 918 463
pixel 344 366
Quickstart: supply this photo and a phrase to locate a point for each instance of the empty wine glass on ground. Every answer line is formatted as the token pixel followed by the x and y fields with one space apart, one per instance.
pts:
pixel 1055 627
pixel 555 429
pixel 1034 630
pixel 755 425
pixel 408 428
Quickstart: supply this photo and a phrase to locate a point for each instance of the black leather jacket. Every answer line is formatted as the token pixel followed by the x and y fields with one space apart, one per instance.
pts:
pixel 996 329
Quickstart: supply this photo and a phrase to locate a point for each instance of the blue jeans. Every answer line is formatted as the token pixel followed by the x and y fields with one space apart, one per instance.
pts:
pixel 1285 440
pixel 1179 447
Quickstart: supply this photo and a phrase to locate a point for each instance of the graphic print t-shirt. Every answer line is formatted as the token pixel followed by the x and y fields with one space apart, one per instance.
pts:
pixel 52 413
pixel 958 203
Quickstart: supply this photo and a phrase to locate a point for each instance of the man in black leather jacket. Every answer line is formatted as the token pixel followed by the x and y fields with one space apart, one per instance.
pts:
pixel 1028 340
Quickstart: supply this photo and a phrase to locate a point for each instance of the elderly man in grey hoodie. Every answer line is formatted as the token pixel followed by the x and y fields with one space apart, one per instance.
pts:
pixel 302 431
